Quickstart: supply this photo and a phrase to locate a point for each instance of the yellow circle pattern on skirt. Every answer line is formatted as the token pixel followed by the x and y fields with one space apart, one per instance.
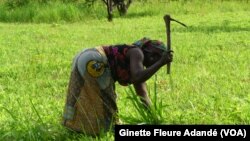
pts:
pixel 95 69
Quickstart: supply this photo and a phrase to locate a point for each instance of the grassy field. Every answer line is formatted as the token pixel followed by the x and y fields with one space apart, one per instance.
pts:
pixel 210 73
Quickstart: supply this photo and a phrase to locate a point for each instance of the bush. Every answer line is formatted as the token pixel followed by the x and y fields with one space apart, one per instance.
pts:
pixel 58 10
pixel 16 3
pixel 19 3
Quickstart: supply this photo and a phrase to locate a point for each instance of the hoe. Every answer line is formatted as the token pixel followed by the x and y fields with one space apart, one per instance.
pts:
pixel 167 20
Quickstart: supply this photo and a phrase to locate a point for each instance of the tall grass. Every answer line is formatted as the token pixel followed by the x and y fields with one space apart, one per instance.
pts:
pixel 153 114
pixel 51 11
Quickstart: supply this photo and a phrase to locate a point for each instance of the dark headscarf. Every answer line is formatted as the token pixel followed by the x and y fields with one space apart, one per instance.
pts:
pixel 148 43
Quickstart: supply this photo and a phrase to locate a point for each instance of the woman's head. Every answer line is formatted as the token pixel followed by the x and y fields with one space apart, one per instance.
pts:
pixel 152 50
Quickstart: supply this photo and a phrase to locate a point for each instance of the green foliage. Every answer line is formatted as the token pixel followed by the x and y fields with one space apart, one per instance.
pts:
pixel 49 12
pixel 143 115
pixel 16 3
pixel 19 3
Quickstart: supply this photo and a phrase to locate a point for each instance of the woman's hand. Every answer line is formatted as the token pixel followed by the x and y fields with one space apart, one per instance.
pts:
pixel 141 91
pixel 146 101
pixel 167 57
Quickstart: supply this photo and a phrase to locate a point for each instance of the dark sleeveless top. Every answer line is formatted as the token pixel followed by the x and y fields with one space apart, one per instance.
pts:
pixel 118 63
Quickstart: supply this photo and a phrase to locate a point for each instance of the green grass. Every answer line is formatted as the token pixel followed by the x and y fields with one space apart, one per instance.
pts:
pixel 142 115
pixel 54 11
pixel 210 72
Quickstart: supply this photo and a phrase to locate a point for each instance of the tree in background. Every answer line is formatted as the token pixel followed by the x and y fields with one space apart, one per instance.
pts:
pixel 121 5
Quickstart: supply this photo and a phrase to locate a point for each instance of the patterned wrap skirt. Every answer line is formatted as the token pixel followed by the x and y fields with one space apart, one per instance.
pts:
pixel 90 105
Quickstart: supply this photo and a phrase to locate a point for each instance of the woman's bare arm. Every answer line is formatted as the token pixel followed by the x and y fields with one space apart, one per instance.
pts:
pixel 138 73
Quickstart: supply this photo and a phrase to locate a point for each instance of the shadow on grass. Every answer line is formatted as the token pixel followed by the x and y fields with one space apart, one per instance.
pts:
pixel 212 29
pixel 137 15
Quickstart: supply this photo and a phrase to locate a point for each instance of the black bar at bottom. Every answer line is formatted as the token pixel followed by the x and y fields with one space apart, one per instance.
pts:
pixel 164 132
